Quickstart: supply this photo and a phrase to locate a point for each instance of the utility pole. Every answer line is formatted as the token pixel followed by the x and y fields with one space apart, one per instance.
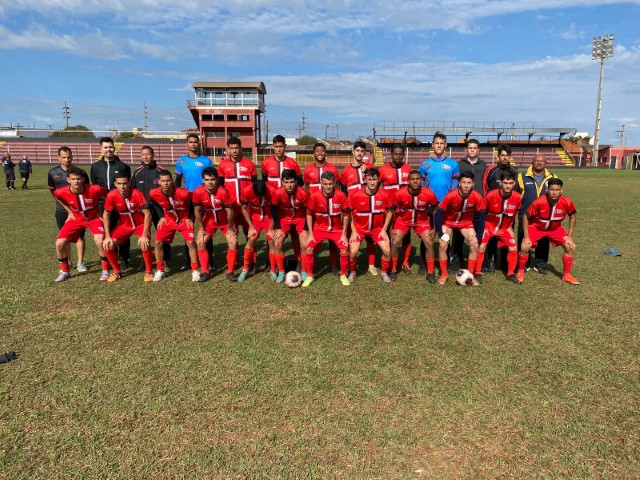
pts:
pixel 602 49
pixel 303 126
pixel 621 135
pixel 146 116
pixel 65 111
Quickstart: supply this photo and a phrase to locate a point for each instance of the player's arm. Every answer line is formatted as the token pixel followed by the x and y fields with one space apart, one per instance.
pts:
pixel 197 212
pixel 526 241
pixel 346 221
pixel 278 233
pixel 143 240
pixel 107 243
pixel 231 218
pixel 178 181
pixel 310 237
pixel 455 175
pixel 571 229
pixel 251 231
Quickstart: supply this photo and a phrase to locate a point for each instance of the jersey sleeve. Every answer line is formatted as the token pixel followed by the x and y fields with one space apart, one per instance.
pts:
pixel 51 182
pixel 571 208
pixel 108 203
pixel 179 164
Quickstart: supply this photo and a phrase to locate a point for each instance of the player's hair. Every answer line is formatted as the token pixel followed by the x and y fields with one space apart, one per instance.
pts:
pixel 507 175
pixel 289 174
pixel 165 173
pixel 439 135
pixel 474 141
pixel 328 176
pixel 259 187
pixel 121 175
pixel 466 175
pixel 106 140
pixel 193 135
pixel 372 172
pixel 319 144
pixel 73 170
pixel 147 147
pixel 360 144
pixel 233 141
pixel 211 171
pixel 415 172
pixel 64 149
pixel 505 148
pixel 397 146
pixel 554 181
pixel 279 139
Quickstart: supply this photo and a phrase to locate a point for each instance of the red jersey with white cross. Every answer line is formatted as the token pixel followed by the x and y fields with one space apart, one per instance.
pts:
pixel 214 204
pixel 291 206
pixel 413 209
pixel 394 178
pixel 272 168
pixel 237 175
pixel 544 216
pixel 259 207
pixel 129 209
pixel 501 211
pixel 458 210
pixel 369 211
pixel 176 206
pixel 85 203
pixel 312 174
pixel 353 178
pixel 328 212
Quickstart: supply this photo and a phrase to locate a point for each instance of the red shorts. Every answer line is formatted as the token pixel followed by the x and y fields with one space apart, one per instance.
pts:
pixel 286 224
pixel 210 228
pixel 261 225
pixel 167 231
pixel 322 235
pixel 419 227
pixel 74 229
pixel 556 237
pixel 459 225
pixel 505 238
pixel 374 234
pixel 123 232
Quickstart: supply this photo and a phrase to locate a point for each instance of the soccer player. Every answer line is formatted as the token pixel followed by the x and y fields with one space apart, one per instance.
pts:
pixel 394 176
pixel 289 206
pixel 174 204
pixel 372 212
pixel 9 172
pixel 84 204
pixel 213 212
pixel 274 165
pixel 134 218
pixel 328 219
pixel 256 209
pixel 57 178
pixel 502 205
pixel 544 220
pixel 412 211
pixel 439 173
pixel 24 167
pixel 456 212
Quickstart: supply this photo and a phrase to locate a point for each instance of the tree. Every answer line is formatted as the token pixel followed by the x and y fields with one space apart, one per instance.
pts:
pixel 307 140
pixel 75 131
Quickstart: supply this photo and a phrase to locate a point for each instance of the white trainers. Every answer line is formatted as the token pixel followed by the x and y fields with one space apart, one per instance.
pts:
pixel 352 277
pixel 62 276
pixel 385 277
pixel 159 276
pixel 373 270
pixel 195 276
pixel 104 275
pixel 81 267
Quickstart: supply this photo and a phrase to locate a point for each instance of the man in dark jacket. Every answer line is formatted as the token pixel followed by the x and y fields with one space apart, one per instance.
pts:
pixel 24 166
pixel 9 171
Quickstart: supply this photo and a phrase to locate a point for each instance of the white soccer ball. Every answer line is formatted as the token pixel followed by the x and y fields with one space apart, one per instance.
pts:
pixel 464 277
pixel 292 279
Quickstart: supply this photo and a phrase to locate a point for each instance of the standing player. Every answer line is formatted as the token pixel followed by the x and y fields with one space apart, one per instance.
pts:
pixel 213 212
pixel 57 178
pixel 502 205
pixel 84 204
pixel 289 206
pixel 372 212
pixel 440 173
pixel 456 212
pixel 134 218
pixel 412 211
pixel 328 219
pixel 544 220
pixel 9 172
pixel 24 167
pixel 273 166
pixel 174 204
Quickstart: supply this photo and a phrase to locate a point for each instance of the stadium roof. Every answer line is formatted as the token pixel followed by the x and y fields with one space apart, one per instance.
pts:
pixel 231 85
pixel 506 128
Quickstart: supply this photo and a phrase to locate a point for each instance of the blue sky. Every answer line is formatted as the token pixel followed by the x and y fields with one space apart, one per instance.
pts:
pixel 350 63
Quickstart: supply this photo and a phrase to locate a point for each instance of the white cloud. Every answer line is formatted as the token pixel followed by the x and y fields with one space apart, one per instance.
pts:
pixel 168 117
pixel 162 52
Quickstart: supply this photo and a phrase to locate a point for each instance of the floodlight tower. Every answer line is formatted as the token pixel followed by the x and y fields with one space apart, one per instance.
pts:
pixel 602 49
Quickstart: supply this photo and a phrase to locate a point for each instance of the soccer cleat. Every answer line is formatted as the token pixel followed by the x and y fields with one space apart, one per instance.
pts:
pixel 475 282
pixel 478 278
pixel 513 278
pixel 406 269
pixel 232 277
pixel 431 277
pixel 489 267
pixel 335 270
pixel 352 277
pixel 159 276
pixel 114 277
pixel 243 275
pixel 195 276
pixel 373 270
pixel 443 279
pixel 185 267
pixel 307 281
pixel 344 281
pixel 422 269
pixel 304 276
pixel 520 277
pixel 541 268
pixel 385 277
pixel 148 277
pixel 571 280
pixel 104 275
pixel 212 266
pixel 273 276
pixel 393 276
pixel 124 264
pixel 280 277
pixel 204 276
pixel 62 276
pixel 255 269
pixel 454 264
pixel 80 267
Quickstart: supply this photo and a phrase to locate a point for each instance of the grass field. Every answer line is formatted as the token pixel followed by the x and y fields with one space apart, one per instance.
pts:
pixel 408 380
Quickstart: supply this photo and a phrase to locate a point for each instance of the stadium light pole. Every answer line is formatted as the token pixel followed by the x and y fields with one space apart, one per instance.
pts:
pixel 602 49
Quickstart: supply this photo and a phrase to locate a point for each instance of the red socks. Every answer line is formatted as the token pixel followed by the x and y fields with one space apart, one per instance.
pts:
pixel 231 259
pixel 512 260
pixel 479 262
pixel 203 257
pixel 567 262
pixel 112 256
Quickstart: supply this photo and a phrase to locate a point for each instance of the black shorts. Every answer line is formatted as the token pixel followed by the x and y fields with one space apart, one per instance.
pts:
pixel 10 175
pixel 24 174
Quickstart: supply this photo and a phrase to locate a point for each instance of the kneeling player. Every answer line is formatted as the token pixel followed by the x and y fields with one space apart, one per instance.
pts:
pixel 456 212
pixel 83 206
pixel 412 211
pixel 134 217
pixel 372 212
pixel 502 205
pixel 328 219
pixel 256 203
pixel 172 204
pixel 214 211
pixel 288 210
pixel 544 220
